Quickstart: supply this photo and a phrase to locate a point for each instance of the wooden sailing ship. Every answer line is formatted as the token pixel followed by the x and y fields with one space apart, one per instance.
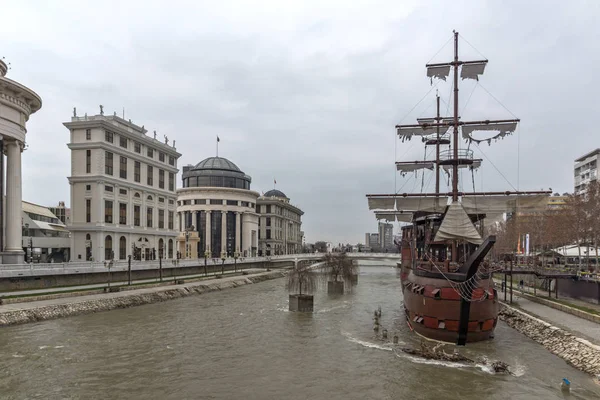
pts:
pixel 447 286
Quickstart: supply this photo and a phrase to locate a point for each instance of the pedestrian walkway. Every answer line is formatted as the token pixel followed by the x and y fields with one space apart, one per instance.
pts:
pixel 579 326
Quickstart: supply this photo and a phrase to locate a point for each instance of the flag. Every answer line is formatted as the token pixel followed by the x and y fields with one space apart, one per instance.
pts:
pixel 274 181
pixel 218 140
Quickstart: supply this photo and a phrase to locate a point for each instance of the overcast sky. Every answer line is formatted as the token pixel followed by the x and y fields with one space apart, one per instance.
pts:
pixel 308 92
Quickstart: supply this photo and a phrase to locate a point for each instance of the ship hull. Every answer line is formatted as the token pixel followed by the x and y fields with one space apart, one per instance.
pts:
pixel 433 308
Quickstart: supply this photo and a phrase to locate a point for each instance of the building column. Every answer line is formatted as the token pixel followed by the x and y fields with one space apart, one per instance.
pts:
pixel 195 220
pixel 238 232
pixel 223 233
pixel 14 240
pixel 208 233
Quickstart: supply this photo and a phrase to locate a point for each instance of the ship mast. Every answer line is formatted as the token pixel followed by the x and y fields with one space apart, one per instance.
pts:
pixel 437 147
pixel 455 164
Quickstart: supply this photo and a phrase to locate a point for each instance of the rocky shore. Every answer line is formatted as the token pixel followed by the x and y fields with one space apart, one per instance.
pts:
pixel 45 310
pixel 579 353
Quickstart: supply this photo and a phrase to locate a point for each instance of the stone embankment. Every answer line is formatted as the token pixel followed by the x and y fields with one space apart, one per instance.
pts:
pixel 110 301
pixel 577 352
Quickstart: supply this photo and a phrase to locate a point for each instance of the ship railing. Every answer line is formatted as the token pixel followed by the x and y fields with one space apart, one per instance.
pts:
pixel 463 154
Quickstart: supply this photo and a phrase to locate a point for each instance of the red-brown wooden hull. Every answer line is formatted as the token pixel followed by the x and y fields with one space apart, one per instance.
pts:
pixel 432 308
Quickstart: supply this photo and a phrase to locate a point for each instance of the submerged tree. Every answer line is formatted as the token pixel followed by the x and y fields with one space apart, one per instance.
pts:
pixel 338 269
pixel 302 282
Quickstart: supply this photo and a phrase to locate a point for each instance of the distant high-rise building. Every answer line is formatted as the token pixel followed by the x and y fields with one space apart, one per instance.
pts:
pixel 386 235
pixel 62 213
pixel 374 240
pixel 586 168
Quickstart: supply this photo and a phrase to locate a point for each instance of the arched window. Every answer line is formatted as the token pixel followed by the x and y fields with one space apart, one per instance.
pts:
pixel 108 251
pixel 161 244
pixel 137 195
pixel 170 248
pixel 149 198
pixel 88 247
pixel 122 248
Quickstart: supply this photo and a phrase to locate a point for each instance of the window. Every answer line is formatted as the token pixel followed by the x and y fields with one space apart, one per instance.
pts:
pixel 268 221
pixel 123 142
pixel 88 162
pixel 137 195
pixel 161 199
pixel 161 156
pixel 88 134
pixel 149 217
pixel 150 173
pixel 150 152
pixel 149 198
pixel 186 202
pixel 137 147
pixel 108 211
pixel 232 202
pixel 123 168
pixel 108 136
pixel 171 182
pixel 122 248
pixel 123 192
pixel 172 161
pixel 170 220
pixel 108 163
pixel 88 187
pixel 108 188
pixel 136 172
pixel 122 213
pixel 268 234
pixel 161 219
pixel 213 201
pixel 108 251
pixel 269 209
pixel 171 201
pixel 88 210
pixel 136 215
pixel 161 179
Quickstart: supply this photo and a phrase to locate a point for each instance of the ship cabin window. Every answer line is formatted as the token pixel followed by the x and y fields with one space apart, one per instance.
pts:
pixel 437 293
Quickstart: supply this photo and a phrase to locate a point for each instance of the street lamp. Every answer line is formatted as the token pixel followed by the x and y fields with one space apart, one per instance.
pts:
pixel 235 257
pixel 206 254
pixel 29 243
pixel 223 263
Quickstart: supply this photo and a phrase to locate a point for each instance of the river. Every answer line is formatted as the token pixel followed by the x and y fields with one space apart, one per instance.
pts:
pixel 243 344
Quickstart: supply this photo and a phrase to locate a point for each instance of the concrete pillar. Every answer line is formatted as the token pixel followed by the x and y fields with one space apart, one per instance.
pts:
pixel 14 246
pixel 195 220
pixel 208 236
pixel 238 218
pixel 223 232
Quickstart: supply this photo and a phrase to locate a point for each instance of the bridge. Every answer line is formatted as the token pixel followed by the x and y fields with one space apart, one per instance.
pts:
pixel 39 276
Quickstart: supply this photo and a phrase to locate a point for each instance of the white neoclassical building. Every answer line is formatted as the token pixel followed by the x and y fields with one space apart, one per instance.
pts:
pixel 217 208
pixel 123 190
pixel 280 226
pixel 17 103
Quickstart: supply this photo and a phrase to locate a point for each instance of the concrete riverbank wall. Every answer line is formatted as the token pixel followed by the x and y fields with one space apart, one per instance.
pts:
pixel 87 278
pixel 59 308
pixel 577 352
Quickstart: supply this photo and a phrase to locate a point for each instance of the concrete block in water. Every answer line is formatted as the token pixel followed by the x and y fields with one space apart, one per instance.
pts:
pixel 334 287
pixel 301 302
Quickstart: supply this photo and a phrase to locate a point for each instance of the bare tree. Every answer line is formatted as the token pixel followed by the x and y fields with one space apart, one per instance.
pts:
pixel 302 280
pixel 339 267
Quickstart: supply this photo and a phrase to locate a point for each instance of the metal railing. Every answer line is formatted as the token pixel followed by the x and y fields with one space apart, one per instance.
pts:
pixel 80 267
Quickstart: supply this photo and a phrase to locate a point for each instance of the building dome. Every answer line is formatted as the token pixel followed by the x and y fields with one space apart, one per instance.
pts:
pixel 215 172
pixel 217 163
pixel 275 193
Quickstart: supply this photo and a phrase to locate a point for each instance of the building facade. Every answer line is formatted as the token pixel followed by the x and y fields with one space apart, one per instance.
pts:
pixel 386 235
pixel 17 103
pixel 280 224
pixel 372 240
pixel 586 170
pixel 123 193
pixel 62 212
pixel 45 237
pixel 216 211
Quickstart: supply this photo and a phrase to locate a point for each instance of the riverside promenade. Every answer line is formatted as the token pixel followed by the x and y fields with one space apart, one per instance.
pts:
pixel 33 311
